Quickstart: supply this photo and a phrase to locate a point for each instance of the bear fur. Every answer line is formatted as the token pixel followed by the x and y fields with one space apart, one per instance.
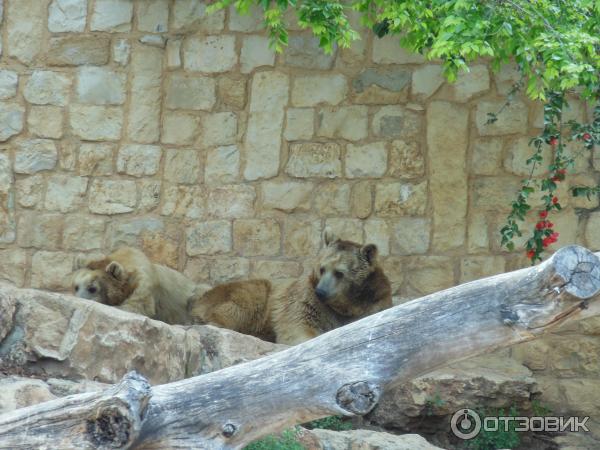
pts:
pixel 347 284
pixel 238 305
pixel 128 280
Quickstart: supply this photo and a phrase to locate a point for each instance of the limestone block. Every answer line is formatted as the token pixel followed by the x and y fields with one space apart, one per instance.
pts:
pixel 411 236
pixel 222 165
pixel 209 54
pixel 101 86
pixel 139 160
pixel 149 194
pixel 426 80
pixel 51 270
pixel 448 124
pixel 345 122
pixel 397 122
pixel 512 120
pixel 487 156
pixel 311 90
pixel 314 160
pixel 191 15
pixel 30 190
pixel 362 199
pixel 287 196
pixel 248 22
pixel 476 267
pixel 347 229
pixel 13 267
pixel 184 201
pixel 112 15
pixel 219 129
pixel 332 199
pixel 8 84
pixel 78 50
pixel 145 94
pixel 368 160
pixel 67 16
pixel 303 51
pixel 35 155
pixel 190 92
pixel 180 128
pixel 112 196
pixel 519 151
pixel 25 23
pixel 45 87
pixel 382 85
pixel 256 237
pixel 255 53
pixel 153 16
pixel 209 238
pixel 83 233
pixel 387 50
pixel 301 236
pixel 121 51
pixel 231 201
pixel 232 91
pixel 96 123
pixel 400 199
pixel 12 116
pixel 263 135
pixel 96 159
pixel 406 160
pixel 467 85
pixel 300 124
pixel 174 53
pixel 377 232
pixel 46 121
pixel 65 193
pixel 182 166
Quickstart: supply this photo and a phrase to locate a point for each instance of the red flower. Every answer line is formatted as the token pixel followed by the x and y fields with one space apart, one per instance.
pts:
pixel 544 214
pixel 553 141
pixel 540 225
pixel 531 254
pixel 587 136
pixel 555 179
pixel 561 171
pixel 549 224
pixel 554 200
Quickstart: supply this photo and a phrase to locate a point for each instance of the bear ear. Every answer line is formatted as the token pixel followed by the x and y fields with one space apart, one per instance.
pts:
pixel 116 270
pixel 328 236
pixel 369 251
pixel 81 262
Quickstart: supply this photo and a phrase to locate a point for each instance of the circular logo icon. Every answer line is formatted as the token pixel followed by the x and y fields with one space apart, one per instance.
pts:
pixel 465 424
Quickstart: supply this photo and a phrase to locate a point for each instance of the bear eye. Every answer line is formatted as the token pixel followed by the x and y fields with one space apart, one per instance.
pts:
pixel 339 275
pixel 322 270
pixel 92 289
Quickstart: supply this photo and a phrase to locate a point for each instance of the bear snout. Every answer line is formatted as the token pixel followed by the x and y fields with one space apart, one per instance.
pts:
pixel 321 294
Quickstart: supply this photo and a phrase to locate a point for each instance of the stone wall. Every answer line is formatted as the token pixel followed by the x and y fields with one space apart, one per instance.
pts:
pixel 149 123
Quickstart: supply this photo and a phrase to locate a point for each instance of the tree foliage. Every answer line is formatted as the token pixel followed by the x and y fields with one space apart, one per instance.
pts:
pixel 555 44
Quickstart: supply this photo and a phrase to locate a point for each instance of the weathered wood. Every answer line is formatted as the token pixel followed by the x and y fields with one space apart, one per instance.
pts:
pixel 341 372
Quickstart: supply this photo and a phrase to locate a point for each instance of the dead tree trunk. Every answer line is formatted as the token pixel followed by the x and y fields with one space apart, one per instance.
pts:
pixel 341 372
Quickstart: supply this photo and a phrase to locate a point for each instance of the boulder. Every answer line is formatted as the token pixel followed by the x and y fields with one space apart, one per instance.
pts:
pixel 367 440
pixel 489 381
pixel 52 335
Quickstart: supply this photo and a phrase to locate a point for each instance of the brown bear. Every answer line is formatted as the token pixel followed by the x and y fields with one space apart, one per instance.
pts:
pixel 347 284
pixel 128 280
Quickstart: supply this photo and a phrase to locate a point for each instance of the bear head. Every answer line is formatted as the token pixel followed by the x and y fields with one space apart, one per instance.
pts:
pixel 101 280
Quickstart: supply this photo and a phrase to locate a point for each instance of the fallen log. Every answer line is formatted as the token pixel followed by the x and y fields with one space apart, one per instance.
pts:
pixel 341 372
